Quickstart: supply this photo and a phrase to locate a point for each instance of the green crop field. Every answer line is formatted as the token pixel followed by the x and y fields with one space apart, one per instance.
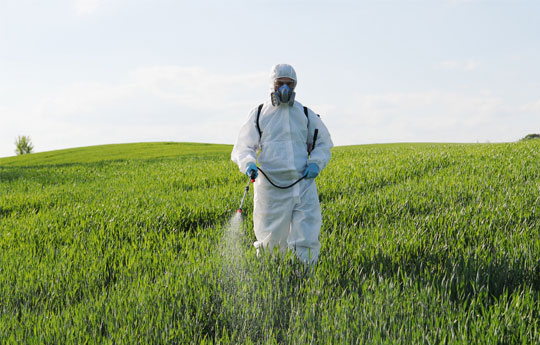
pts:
pixel 134 244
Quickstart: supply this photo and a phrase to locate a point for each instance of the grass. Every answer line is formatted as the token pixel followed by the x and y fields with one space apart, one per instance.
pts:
pixel 114 152
pixel 128 244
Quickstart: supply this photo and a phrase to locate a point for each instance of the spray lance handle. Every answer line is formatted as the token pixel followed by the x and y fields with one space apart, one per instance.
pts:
pixel 250 180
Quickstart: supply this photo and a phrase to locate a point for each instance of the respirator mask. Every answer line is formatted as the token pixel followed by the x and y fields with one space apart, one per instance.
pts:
pixel 284 94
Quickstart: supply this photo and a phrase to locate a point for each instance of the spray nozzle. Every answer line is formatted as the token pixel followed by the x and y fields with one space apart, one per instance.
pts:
pixel 253 176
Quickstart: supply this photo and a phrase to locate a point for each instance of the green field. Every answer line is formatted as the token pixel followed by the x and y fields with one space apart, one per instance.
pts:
pixel 130 244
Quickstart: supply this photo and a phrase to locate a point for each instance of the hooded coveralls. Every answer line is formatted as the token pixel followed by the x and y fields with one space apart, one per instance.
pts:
pixel 288 218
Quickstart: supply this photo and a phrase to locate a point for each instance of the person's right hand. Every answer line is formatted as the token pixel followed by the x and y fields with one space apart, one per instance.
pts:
pixel 252 167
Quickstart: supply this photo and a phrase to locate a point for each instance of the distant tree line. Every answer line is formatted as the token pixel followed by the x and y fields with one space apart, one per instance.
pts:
pixel 531 136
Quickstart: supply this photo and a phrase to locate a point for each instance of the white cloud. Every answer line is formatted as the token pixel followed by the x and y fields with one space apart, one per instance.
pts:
pixel 82 98
pixel 176 103
pixel 428 116
pixel 531 107
pixel 93 7
pixel 196 87
pixel 458 65
pixel 462 2
pixel 85 7
pixel 154 103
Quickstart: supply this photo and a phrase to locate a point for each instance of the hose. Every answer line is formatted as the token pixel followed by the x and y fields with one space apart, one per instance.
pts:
pixel 281 187
pixel 301 178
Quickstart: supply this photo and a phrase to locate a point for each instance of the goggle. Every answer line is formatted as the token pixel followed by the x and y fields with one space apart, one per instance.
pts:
pixel 280 83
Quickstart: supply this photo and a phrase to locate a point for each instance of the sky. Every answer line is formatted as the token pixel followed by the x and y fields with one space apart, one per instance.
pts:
pixel 88 72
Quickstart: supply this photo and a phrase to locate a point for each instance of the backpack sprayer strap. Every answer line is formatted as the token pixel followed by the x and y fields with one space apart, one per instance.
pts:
pixel 259 115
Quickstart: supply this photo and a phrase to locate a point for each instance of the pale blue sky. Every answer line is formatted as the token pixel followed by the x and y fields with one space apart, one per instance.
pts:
pixel 85 72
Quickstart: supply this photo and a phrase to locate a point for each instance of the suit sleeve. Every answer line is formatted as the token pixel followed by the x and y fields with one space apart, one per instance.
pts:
pixel 247 143
pixel 321 153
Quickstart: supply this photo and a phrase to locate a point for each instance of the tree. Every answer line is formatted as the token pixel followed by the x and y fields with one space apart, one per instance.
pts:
pixel 531 136
pixel 23 145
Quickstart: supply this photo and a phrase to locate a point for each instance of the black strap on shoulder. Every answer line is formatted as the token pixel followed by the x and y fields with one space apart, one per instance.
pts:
pixel 306 112
pixel 259 115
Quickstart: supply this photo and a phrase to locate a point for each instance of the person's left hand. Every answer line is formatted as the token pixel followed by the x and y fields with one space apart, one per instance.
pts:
pixel 311 171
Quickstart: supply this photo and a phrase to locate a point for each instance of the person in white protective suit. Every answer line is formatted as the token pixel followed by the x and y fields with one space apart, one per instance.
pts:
pixel 281 132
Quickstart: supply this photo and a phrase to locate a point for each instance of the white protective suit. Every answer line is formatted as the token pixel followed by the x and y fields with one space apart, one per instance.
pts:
pixel 288 218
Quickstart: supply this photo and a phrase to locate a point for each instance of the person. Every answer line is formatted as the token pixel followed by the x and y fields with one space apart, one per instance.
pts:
pixel 278 135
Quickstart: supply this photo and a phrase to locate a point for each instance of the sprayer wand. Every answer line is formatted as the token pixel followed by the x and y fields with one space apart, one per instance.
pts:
pixel 250 180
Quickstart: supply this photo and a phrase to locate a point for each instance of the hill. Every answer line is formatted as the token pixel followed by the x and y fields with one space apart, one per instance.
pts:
pixel 132 244
pixel 112 152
